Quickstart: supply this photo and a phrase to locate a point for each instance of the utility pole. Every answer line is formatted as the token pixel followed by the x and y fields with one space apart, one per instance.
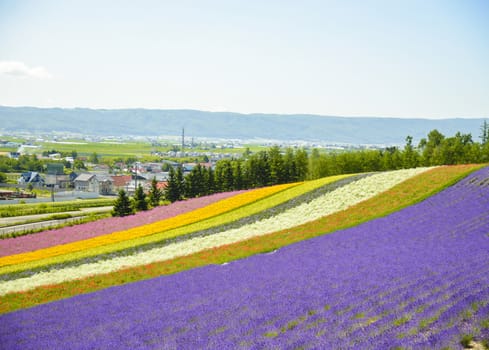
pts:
pixel 52 186
pixel 183 140
pixel 136 179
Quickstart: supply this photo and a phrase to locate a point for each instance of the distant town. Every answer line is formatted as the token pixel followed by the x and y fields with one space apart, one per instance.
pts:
pixel 67 167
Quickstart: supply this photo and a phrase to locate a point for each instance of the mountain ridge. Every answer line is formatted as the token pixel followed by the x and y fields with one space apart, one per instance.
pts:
pixel 230 125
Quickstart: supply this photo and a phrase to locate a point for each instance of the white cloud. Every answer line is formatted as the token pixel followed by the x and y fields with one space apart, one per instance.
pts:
pixel 20 69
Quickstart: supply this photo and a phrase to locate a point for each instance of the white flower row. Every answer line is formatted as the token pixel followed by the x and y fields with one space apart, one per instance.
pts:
pixel 331 202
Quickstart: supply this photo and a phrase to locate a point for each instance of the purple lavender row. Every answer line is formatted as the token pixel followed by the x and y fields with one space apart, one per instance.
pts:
pixel 312 294
pixel 335 322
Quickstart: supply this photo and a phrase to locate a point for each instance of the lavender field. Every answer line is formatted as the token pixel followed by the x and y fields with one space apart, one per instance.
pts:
pixel 416 279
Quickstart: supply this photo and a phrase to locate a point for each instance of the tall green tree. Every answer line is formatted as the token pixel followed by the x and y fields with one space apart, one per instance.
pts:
pixel 484 133
pixel 155 194
pixel 78 164
pixel 173 190
pixel 318 165
pixel 301 164
pixel 391 158
pixel 122 205
pixel 289 166
pixel 410 156
pixel 224 175
pixel 260 169
pixel 238 178
pixel 210 181
pixel 93 158
pixel 431 148
pixel 195 185
pixel 139 202
pixel 277 170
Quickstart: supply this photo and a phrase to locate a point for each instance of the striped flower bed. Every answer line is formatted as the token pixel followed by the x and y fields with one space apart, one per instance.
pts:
pixel 334 201
pixel 220 207
pixel 143 243
pixel 415 279
pixel 75 233
pixel 406 193
pixel 253 212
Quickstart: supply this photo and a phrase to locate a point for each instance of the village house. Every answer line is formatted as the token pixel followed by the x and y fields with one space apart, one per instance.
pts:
pixel 87 183
pixel 120 182
pixel 160 176
pixel 14 155
pixel 135 182
pixel 106 184
pixel 55 156
pixel 31 177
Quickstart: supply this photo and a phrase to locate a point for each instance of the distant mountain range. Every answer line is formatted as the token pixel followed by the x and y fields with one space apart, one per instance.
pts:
pixel 152 122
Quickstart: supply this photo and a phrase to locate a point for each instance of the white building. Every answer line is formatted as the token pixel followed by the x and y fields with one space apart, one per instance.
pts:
pixel 87 183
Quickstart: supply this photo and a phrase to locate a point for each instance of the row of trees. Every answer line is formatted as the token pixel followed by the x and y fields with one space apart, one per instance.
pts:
pixel 273 167
pixel 264 168
pixel 124 205
pixel 436 149
pixel 23 163
pixel 32 163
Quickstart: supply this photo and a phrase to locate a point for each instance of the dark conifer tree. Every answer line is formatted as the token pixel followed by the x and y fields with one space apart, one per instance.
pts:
pixel 140 199
pixel 238 181
pixel 210 182
pixel 276 164
pixel 173 188
pixel 155 194
pixel 122 205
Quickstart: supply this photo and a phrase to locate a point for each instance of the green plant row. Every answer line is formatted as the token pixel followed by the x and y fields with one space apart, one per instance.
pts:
pixel 81 220
pixel 53 207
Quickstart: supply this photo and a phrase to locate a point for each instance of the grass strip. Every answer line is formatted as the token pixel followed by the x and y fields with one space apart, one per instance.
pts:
pixel 407 193
pixel 79 219
pixel 56 207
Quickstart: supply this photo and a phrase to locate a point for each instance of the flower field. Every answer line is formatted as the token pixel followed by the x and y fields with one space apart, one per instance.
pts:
pixel 147 236
pixel 79 232
pixel 403 266
pixel 184 219
pixel 338 199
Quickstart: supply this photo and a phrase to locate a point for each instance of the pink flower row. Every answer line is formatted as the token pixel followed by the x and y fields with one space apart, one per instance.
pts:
pixel 70 234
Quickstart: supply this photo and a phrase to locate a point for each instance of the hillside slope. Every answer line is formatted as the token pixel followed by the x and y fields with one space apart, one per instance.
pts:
pixel 418 277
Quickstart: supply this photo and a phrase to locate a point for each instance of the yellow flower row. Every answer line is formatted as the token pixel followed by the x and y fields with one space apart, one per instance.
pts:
pixel 217 208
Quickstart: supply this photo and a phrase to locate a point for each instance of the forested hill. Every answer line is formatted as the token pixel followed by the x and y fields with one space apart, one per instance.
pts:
pixel 118 122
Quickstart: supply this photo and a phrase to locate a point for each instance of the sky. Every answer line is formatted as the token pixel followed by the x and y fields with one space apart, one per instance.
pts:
pixel 386 58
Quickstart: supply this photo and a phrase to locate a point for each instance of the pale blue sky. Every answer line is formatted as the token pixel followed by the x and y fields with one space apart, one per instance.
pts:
pixel 350 58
